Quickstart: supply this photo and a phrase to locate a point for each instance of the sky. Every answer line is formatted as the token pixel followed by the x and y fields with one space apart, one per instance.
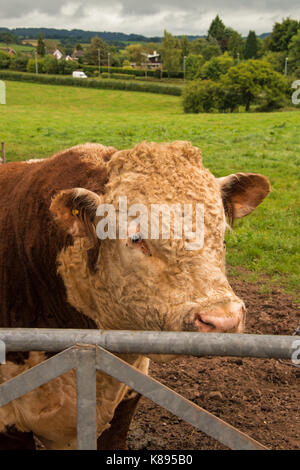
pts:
pixel 147 17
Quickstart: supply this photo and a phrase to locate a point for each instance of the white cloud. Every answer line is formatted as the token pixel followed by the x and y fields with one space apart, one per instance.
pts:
pixel 145 17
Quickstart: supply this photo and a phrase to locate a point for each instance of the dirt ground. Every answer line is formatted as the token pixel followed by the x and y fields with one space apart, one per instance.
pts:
pixel 258 396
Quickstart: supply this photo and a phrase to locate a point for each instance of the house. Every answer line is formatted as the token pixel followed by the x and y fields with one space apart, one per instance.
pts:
pixel 8 50
pixel 57 54
pixel 69 58
pixel 153 61
pixel 77 54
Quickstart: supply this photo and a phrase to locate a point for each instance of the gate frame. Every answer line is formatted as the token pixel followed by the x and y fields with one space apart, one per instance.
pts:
pixel 88 358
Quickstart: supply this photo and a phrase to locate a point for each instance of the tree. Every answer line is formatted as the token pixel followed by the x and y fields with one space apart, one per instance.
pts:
pixel 207 49
pixel 9 38
pixel 66 67
pixel 255 80
pixel 41 50
pixel 150 47
pixel 193 66
pixel 31 66
pixel 236 45
pixel 171 53
pixel 282 34
pixel 185 46
pixel 92 54
pixel 276 59
pixel 219 32
pixel 217 66
pixel 216 29
pixel 227 97
pixel 260 48
pixel 4 60
pixel 251 46
pixel 294 52
pixel 197 46
pixel 50 64
pixel 134 52
pixel 19 62
pixel 68 49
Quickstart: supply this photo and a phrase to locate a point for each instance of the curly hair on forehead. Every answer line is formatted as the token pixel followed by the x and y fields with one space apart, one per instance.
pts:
pixel 152 157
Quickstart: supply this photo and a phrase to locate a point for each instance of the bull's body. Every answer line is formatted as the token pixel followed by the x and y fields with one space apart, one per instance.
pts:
pixel 48 277
pixel 33 295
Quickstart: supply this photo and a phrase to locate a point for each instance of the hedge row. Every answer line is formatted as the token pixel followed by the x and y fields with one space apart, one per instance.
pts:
pixel 137 72
pixel 89 83
pixel 118 76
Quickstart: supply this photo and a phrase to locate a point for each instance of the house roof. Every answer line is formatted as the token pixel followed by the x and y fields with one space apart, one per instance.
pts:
pixel 8 50
pixel 77 53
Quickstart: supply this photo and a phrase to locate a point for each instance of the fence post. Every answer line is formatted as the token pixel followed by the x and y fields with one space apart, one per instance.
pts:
pixel 86 398
pixel 3 152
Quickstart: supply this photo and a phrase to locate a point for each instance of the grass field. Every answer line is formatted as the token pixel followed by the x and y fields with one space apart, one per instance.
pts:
pixel 18 47
pixel 40 119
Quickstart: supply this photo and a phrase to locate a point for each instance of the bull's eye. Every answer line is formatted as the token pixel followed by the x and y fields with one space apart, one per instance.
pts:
pixel 136 238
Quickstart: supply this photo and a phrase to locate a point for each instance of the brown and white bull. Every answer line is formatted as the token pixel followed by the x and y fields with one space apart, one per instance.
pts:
pixel 56 273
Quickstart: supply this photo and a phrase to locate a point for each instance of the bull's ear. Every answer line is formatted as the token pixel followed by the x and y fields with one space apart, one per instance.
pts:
pixel 242 193
pixel 74 210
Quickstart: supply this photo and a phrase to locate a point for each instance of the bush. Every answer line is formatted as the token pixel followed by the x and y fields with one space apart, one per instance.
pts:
pixel 126 65
pixel 31 66
pixel 137 72
pixel 227 98
pixel 4 60
pixel 193 66
pixel 276 59
pixel 117 76
pixel 50 64
pixel 66 67
pixel 19 63
pixel 217 66
pixel 121 76
pixel 106 84
pixel 200 97
pixel 250 82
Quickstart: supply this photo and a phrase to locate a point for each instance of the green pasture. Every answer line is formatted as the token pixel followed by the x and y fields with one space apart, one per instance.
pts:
pixel 39 120
pixel 23 48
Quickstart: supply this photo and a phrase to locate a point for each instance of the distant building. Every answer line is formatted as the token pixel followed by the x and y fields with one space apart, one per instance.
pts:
pixel 8 50
pixel 77 54
pixel 69 58
pixel 153 60
pixel 57 54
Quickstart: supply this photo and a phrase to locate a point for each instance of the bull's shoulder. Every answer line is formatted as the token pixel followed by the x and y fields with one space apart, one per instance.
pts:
pixel 89 152
pixel 31 291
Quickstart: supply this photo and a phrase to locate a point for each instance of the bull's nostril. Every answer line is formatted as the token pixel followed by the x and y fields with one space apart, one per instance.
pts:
pixel 218 322
pixel 200 322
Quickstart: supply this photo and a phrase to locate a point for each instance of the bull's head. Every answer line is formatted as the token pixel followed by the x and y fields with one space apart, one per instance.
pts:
pixel 139 282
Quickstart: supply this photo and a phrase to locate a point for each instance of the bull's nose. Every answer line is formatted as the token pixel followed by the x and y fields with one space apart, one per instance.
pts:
pixel 229 318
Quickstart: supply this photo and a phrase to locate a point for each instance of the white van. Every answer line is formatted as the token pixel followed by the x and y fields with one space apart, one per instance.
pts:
pixel 79 74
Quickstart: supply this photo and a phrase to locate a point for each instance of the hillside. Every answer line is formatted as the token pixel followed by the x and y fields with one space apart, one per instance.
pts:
pixel 79 35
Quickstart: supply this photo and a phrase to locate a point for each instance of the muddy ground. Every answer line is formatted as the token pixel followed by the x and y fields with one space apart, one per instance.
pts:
pixel 258 396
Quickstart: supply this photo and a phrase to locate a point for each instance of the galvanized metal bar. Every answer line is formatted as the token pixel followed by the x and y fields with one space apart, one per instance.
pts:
pixel 86 398
pixel 151 342
pixel 172 401
pixel 37 376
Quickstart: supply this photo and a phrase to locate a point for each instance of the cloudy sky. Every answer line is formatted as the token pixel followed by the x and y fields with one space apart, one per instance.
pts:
pixel 148 17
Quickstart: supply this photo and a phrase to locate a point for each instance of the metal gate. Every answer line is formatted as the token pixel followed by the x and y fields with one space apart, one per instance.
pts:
pixel 90 350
